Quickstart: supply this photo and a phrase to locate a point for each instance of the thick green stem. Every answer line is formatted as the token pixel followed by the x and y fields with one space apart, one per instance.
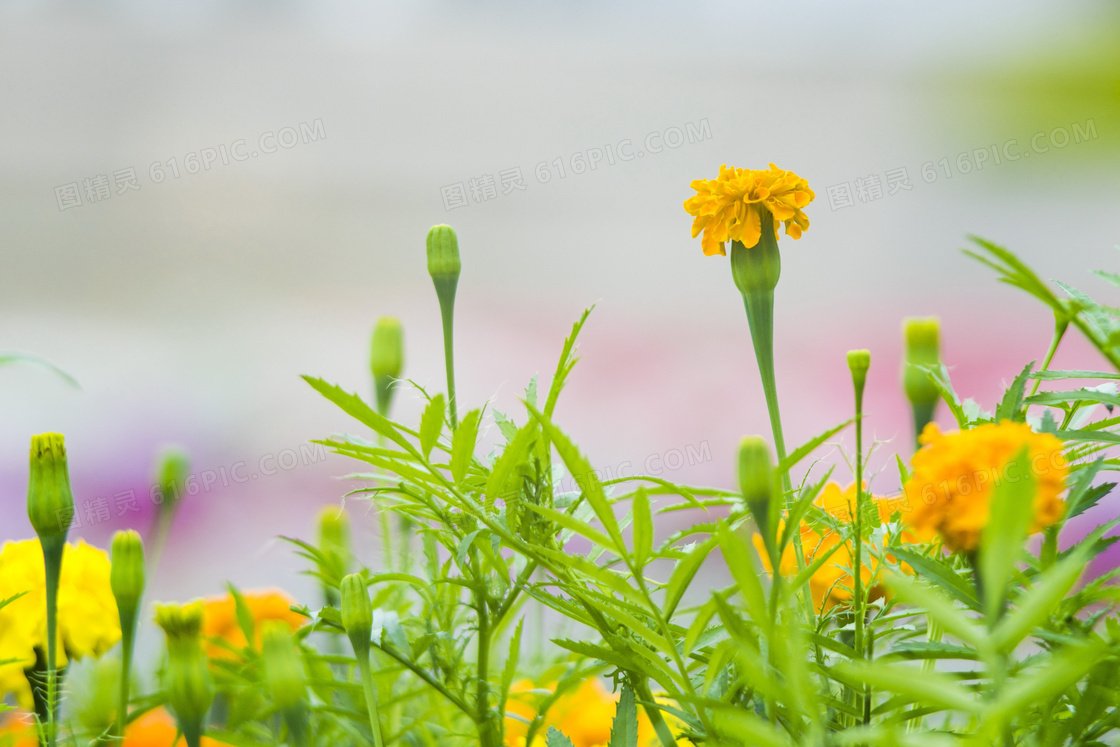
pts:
pixel 486 736
pixel 664 733
pixel 923 414
pixel 447 311
pixel 128 641
pixel 192 733
pixel 371 695
pixel 53 548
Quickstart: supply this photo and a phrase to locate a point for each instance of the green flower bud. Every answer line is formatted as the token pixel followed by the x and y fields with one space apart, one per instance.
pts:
pixel 859 361
pixel 126 577
pixel 386 359
pixel 172 470
pixel 284 673
pixel 357 612
pixel 443 255
pixel 756 481
pixel 50 502
pixel 187 677
pixel 922 349
pixel 334 530
pixel 756 269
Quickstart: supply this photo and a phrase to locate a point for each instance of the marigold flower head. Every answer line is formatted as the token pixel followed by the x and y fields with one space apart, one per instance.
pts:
pixel 220 618
pixel 956 474
pixel 585 715
pixel 730 207
pixel 832 583
pixel 88 624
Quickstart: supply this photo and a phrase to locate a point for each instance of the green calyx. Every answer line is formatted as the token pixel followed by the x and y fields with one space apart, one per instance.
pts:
pixel 357 612
pixel 386 359
pixel 923 349
pixel 187 678
pixel 444 264
pixel 283 666
pixel 756 269
pixel 859 361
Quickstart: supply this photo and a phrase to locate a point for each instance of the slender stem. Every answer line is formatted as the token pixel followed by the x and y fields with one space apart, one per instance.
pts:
pixel 664 733
pixel 128 640
pixel 1060 327
pixel 371 697
pixel 383 515
pixel 53 549
pixel 486 736
pixel 857 568
pixel 447 312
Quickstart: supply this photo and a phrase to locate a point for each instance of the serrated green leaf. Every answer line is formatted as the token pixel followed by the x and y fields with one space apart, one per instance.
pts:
pixel 807 448
pixel 1077 395
pixel 930 687
pixel 463 443
pixel 1011 406
pixel 431 424
pixel 354 406
pixel 643 528
pixel 939 377
pixel 936 572
pixel 504 476
pixel 1041 600
pixel 505 425
pixel 684 573
pixel 624 730
pixel 556 738
pixel 1001 542
pixel 937 607
pixel 740 562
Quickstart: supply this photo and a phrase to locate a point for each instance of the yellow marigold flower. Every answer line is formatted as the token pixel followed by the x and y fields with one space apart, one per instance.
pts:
pixel 955 476
pixel 88 624
pixel 220 618
pixel 832 584
pixel 727 208
pixel 585 715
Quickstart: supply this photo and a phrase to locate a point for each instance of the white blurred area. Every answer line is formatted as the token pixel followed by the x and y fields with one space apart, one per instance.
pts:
pixel 187 309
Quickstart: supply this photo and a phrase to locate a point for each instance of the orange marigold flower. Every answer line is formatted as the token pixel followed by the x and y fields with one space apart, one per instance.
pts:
pixel 832 584
pixel 955 475
pixel 729 207
pixel 585 715
pixel 154 729
pixel 220 618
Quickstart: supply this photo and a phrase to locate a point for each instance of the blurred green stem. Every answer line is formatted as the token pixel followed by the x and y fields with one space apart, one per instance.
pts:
pixel 447 312
pixel 371 696
pixel 1061 324
pixel 53 548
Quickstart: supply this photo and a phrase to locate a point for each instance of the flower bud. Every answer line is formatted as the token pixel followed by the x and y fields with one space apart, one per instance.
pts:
pixel 859 361
pixel 187 677
pixel 126 577
pixel 334 531
pixel 922 350
pixel 756 481
pixel 443 255
pixel 386 359
pixel 357 612
pixel 283 666
pixel 172 470
pixel 50 502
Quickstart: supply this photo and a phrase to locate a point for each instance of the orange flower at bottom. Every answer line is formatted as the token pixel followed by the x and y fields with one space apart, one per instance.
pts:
pixel 955 477
pixel 153 729
pixel 832 584
pixel 585 715
pixel 220 618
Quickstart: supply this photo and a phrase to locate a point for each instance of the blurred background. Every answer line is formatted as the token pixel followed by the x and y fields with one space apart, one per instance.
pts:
pixel 200 201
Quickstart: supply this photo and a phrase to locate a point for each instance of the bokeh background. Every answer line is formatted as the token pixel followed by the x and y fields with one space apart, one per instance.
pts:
pixel 188 306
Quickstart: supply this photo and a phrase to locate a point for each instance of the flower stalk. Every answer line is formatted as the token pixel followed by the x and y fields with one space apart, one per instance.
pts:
pixel 357 620
pixel 127 582
pixel 444 266
pixel 50 507
pixel 189 688
pixel 859 361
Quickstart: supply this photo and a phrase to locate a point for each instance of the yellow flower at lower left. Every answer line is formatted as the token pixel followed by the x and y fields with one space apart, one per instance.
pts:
pixel 88 624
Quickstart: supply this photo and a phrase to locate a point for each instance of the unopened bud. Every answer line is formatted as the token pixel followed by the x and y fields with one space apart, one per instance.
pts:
pixel 922 350
pixel 187 677
pixel 756 482
pixel 50 502
pixel 172 470
pixel 357 612
pixel 126 577
pixel 386 358
pixel 859 361
pixel 443 255
pixel 283 666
